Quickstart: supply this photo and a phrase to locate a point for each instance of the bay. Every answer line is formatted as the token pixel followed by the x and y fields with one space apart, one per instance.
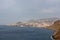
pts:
pixel 25 33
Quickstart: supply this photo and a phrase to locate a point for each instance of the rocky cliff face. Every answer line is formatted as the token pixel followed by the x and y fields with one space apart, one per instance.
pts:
pixel 56 27
pixel 56 36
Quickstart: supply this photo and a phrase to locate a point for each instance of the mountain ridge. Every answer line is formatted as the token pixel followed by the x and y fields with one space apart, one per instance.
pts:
pixel 36 23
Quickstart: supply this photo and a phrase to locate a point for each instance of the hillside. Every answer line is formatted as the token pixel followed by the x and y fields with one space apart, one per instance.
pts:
pixel 36 23
pixel 49 23
pixel 56 27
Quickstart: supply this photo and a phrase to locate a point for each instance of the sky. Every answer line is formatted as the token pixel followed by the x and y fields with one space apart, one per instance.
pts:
pixel 12 11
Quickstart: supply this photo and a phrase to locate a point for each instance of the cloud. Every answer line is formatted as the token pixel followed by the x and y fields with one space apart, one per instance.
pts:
pixel 52 1
pixel 48 6
pixel 4 4
pixel 50 10
pixel 43 6
pixel 26 9
pixel 47 11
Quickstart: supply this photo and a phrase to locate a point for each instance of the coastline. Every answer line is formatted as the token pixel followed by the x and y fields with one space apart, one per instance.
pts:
pixel 56 28
pixel 39 28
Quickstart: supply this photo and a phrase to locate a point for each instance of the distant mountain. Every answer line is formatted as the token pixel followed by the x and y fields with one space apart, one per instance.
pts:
pixel 46 19
pixel 37 23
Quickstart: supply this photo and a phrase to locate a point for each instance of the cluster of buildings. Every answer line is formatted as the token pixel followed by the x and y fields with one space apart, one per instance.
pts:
pixel 32 24
pixel 36 23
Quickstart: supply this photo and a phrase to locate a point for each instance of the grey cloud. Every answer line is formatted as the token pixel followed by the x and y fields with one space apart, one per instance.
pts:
pixel 5 4
pixel 25 9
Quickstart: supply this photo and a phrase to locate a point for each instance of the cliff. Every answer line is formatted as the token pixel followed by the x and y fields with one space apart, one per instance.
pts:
pixel 56 28
pixel 50 23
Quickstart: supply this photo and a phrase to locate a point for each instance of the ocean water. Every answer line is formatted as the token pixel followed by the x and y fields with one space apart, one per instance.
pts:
pixel 24 33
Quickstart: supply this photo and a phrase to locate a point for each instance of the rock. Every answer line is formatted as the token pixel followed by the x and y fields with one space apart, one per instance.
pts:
pixel 56 26
pixel 57 35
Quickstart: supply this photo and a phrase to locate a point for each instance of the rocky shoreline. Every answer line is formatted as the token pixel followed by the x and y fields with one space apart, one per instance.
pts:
pixel 49 24
pixel 56 28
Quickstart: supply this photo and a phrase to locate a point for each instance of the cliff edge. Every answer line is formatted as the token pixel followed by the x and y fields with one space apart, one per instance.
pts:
pixel 56 28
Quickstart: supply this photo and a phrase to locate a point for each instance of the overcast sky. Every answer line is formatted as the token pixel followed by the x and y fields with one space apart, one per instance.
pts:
pixel 12 11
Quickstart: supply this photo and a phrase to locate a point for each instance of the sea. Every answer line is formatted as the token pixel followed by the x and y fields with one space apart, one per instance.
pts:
pixel 25 33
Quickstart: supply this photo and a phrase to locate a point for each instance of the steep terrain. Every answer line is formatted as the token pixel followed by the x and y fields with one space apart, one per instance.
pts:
pixel 56 27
